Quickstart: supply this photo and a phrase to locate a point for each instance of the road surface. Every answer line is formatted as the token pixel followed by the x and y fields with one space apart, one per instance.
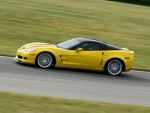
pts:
pixel 130 88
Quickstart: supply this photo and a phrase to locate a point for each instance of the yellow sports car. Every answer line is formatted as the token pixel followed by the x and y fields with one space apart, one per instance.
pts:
pixel 80 53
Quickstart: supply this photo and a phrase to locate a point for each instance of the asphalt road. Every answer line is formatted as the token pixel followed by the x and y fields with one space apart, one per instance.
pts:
pixel 130 88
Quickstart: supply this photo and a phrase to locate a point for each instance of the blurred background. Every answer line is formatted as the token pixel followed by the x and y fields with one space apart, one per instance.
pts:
pixel 124 23
pixel 53 21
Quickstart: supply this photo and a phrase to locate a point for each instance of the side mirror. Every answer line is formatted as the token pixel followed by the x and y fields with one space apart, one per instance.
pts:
pixel 79 49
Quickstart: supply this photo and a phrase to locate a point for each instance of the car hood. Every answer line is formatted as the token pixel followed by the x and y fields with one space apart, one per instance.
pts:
pixel 38 45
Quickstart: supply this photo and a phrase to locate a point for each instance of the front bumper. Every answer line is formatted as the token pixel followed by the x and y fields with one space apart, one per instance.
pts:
pixel 25 57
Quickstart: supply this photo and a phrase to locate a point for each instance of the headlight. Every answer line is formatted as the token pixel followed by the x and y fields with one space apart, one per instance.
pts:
pixel 30 49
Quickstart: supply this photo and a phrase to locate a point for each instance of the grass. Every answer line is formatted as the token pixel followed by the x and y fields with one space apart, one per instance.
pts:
pixel 53 21
pixel 17 103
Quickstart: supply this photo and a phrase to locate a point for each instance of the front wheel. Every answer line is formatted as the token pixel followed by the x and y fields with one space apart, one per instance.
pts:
pixel 114 67
pixel 44 60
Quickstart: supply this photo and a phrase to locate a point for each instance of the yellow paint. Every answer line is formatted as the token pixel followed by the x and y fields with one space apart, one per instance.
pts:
pixel 93 60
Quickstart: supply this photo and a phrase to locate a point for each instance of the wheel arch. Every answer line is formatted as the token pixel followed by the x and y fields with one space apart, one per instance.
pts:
pixel 123 63
pixel 53 63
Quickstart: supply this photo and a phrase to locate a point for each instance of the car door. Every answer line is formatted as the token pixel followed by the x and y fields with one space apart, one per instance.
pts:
pixel 87 55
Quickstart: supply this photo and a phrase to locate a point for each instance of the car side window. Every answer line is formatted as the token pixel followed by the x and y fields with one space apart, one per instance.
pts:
pixel 89 46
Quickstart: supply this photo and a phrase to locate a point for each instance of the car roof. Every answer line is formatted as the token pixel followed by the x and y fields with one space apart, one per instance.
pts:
pixel 97 41
pixel 87 40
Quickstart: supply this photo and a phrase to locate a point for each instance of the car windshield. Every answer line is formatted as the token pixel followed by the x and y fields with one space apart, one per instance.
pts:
pixel 68 44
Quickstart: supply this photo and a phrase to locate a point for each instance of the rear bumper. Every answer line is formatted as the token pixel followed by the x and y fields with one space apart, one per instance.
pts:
pixel 129 63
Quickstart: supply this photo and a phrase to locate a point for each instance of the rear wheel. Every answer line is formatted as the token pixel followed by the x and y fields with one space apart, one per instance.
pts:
pixel 114 67
pixel 44 60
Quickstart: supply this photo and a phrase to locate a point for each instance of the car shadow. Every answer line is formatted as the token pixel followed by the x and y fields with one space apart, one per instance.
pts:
pixel 81 72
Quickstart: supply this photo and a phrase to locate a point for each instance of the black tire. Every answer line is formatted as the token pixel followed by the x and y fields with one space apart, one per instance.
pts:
pixel 114 67
pixel 44 60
